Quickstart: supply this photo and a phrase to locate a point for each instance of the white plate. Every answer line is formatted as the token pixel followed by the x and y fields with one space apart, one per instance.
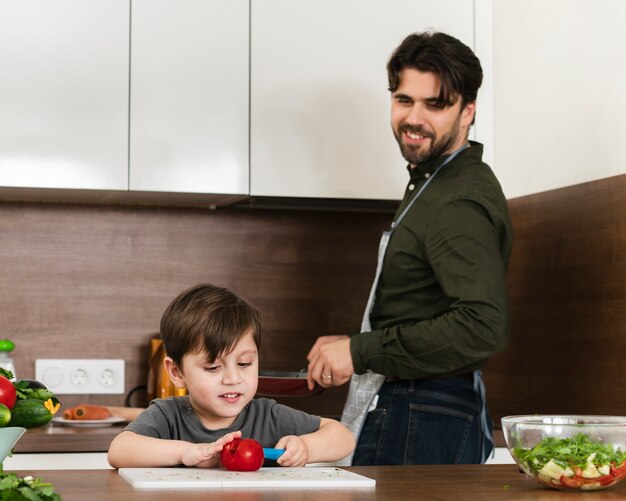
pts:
pixel 86 423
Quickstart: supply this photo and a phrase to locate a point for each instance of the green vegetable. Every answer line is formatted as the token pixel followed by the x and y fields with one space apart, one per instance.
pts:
pixel 5 415
pixel 569 452
pixel 28 388
pixel 30 383
pixel 15 488
pixel 31 412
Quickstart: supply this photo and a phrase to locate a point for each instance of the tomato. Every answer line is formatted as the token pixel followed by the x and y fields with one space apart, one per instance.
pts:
pixel 7 392
pixel 605 479
pixel 619 471
pixel 576 481
pixel 242 455
pixel 572 482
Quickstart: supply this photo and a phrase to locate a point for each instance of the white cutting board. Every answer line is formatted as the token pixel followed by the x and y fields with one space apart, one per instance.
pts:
pixel 219 478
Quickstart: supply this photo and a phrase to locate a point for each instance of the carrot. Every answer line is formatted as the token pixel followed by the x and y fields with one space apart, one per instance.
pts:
pixel 89 411
pixel 69 413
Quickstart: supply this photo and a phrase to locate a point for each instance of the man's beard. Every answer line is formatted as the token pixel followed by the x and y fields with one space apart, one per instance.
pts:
pixel 439 146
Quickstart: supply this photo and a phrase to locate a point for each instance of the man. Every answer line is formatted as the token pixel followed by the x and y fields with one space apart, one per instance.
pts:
pixel 438 307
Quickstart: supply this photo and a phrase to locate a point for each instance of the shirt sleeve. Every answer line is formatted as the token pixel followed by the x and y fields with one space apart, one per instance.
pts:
pixel 462 245
pixel 152 422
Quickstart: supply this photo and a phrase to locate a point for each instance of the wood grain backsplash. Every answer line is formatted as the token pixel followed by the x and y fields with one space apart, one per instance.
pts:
pixel 81 281
pixel 567 286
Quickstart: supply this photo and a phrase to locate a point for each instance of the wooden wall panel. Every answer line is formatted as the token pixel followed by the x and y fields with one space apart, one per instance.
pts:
pixel 92 281
pixel 80 281
pixel 567 283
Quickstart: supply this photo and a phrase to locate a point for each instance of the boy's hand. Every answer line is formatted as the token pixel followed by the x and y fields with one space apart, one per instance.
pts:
pixel 296 451
pixel 207 455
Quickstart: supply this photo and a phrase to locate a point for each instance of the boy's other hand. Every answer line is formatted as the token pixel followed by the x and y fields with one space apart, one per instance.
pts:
pixel 207 455
pixel 296 451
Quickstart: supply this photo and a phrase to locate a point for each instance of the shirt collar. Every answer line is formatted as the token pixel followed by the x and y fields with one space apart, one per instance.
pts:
pixel 425 169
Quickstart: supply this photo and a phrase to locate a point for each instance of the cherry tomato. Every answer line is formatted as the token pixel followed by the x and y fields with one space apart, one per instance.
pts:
pixel 242 455
pixel 7 392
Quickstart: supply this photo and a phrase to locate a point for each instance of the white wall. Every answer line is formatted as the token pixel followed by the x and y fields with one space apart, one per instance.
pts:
pixel 559 92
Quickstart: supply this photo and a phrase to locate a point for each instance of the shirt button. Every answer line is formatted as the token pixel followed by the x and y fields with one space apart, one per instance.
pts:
pixel 427 175
pixel 411 187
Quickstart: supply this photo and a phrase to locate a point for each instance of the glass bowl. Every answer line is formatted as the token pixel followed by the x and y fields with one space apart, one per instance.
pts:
pixel 569 452
pixel 8 438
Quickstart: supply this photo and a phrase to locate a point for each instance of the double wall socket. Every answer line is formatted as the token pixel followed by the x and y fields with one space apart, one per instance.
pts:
pixel 66 376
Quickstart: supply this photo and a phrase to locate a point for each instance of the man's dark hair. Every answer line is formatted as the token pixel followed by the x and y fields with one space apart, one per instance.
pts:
pixel 454 62
pixel 208 319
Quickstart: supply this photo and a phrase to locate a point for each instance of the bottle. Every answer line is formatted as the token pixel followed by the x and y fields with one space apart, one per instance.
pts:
pixel 6 362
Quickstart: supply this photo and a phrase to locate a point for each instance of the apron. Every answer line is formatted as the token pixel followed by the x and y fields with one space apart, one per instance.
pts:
pixel 363 391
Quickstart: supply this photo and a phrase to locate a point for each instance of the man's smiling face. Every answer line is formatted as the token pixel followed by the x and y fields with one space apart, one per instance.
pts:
pixel 423 128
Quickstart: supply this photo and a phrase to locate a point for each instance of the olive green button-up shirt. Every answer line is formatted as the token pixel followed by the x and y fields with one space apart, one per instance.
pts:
pixel 441 302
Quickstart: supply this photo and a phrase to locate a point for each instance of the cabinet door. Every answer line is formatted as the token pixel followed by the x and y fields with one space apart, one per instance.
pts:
pixel 319 99
pixel 189 96
pixel 64 93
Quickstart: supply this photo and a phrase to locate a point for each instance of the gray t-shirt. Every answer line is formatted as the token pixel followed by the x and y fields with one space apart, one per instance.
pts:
pixel 262 419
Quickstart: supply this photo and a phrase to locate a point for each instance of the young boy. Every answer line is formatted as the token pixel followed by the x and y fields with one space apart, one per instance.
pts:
pixel 212 338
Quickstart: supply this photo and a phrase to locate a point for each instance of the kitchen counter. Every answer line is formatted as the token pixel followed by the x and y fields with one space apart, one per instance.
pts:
pixel 59 438
pixel 58 447
pixel 467 482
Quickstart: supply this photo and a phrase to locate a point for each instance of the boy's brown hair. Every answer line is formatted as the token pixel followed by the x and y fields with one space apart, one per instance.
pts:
pixel 208 319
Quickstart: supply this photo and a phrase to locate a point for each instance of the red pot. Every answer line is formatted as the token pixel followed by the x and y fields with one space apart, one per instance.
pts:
pixel 285 384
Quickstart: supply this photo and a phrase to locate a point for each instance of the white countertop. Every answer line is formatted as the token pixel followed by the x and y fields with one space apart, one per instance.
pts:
pixel 58 461
pixel 98 460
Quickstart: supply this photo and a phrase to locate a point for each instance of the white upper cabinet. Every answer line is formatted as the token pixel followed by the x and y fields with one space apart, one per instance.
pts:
pixel 189 96
pixel 64 93
pixel 238 97
pixel 319 99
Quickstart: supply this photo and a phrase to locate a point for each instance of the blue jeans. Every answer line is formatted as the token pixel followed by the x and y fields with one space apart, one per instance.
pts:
pixel 423 421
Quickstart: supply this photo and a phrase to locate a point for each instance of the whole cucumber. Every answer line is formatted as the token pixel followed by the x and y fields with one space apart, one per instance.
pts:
pixel 30 413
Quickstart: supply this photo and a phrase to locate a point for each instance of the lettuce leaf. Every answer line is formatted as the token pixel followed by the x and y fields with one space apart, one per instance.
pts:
pixel 572 451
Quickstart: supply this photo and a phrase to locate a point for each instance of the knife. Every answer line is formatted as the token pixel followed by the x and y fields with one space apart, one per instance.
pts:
pixel 273 453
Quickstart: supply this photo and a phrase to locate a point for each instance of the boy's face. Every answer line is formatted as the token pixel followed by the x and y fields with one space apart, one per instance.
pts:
pixel 219 390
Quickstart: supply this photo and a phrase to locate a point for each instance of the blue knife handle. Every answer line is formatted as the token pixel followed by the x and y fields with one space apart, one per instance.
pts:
pixel 273 453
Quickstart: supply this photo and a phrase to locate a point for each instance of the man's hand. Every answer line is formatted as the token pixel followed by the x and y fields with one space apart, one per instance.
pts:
pixel 330 362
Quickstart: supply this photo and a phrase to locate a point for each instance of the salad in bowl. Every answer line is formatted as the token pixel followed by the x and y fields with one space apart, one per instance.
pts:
pixel 569 452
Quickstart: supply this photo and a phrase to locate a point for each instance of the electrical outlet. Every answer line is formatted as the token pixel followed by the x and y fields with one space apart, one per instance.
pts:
pixel 86 376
